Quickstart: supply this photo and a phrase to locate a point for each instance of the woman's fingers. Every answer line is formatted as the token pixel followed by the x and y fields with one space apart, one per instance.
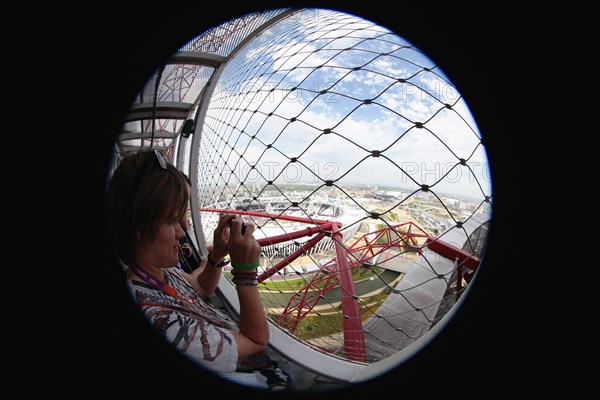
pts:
pixel 221 237
pixel 224 222
pixel 237 226
pixel 243 248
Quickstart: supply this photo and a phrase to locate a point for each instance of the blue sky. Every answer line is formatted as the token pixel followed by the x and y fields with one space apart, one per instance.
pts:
pixel 254 112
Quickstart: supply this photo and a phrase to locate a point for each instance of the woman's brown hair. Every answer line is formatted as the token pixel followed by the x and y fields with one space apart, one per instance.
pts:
pixel 144 191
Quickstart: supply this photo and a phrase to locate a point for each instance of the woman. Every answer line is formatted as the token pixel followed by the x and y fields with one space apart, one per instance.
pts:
pixel 146 201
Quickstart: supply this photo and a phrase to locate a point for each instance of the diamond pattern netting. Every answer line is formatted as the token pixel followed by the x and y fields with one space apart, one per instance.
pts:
pixel 328 117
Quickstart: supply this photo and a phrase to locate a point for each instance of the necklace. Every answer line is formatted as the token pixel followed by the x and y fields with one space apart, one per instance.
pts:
pixel 152 281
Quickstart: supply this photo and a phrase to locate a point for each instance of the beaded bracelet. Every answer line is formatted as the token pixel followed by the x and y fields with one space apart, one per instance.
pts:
pixel 245 282
pixel 243 274
pixel 244 278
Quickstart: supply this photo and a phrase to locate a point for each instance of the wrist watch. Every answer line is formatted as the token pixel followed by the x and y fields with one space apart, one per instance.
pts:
pixel 214 264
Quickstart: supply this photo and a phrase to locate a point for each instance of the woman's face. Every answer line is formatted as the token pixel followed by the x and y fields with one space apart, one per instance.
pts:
pixel 162 252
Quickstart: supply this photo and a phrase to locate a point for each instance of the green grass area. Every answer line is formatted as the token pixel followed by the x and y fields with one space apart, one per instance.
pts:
pixel 289 284
pixel 314 326
pixel 331 321
pixel 359 273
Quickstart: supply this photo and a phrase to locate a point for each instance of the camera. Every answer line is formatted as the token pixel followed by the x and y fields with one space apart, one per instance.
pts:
pixel 243 225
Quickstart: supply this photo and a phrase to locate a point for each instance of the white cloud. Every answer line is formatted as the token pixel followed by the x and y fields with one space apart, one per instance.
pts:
pixel 426 155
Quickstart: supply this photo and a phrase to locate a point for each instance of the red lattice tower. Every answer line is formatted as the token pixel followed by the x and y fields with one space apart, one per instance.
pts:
pixel 403 236
pixel 181 77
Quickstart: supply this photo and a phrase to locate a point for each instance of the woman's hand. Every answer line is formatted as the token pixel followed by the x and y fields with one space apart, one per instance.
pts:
pixel 221 235
pixel 243 247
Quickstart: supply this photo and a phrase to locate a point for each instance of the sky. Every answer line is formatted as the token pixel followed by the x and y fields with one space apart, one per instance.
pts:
pixel 258 129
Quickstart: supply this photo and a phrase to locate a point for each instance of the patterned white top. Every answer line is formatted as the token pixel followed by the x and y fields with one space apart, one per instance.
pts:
pixel 199 330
